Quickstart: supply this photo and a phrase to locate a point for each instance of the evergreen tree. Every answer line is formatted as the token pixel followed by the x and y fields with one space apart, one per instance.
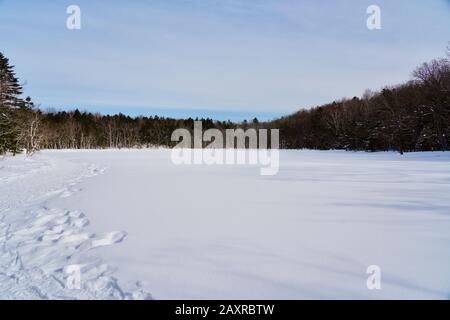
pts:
pixel 10 91
pixel 8 131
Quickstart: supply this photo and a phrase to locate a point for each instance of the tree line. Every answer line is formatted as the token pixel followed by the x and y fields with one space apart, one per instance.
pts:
pixel 414 116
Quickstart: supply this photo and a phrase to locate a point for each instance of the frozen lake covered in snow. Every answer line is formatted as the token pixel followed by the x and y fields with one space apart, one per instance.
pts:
pixel 218 232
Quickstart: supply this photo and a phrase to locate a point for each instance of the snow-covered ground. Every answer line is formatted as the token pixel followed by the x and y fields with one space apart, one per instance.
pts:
pixel 139 224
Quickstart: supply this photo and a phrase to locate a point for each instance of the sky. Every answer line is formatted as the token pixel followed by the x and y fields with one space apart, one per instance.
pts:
pixel 226 59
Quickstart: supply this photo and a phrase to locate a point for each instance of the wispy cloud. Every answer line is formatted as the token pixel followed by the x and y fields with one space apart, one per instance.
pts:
pixel 237 55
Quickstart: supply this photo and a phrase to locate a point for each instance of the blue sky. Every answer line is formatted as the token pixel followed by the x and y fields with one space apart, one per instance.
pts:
pixel 225 59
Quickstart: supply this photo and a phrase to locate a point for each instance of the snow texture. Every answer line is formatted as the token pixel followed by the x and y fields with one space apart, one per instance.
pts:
pixel 136 223
pixel 38 243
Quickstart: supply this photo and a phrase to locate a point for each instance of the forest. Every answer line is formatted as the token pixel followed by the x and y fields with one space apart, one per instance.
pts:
pixel 413 116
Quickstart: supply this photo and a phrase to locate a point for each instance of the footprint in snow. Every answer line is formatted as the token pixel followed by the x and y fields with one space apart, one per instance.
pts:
pixel 109 239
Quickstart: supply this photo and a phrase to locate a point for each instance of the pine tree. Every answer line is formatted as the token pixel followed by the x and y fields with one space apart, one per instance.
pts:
pixel 8 132
pixel 10 91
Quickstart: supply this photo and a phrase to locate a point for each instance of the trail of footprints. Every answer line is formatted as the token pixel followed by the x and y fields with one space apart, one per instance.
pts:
pixel 92 171
pixel 37 247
